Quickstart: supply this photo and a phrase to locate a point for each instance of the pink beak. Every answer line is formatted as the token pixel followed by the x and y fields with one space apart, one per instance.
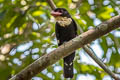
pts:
pixel 53 13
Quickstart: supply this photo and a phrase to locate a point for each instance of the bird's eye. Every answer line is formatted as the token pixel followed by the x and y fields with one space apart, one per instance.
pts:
pixel 65 12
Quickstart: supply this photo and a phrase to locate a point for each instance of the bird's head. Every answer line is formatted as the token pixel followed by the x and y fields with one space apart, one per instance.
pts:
pixel 62 16
pixel 60 12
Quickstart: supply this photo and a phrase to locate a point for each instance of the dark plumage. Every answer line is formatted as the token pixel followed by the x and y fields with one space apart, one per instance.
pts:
pixel 65 29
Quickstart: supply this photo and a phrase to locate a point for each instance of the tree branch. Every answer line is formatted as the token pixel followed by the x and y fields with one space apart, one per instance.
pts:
pixel 91 53
pixel 78 3
pixel 51 3
pixel 100 63
pixel 86 48
pixel 67 48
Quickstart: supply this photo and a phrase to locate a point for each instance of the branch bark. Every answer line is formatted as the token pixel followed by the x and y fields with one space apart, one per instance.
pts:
pixel 100 63
pixel 67 48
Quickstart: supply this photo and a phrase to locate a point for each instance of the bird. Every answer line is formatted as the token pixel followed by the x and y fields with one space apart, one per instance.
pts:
pixel 65 30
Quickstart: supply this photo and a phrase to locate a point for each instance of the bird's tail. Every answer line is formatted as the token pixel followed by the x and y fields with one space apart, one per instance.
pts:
pixel 68 65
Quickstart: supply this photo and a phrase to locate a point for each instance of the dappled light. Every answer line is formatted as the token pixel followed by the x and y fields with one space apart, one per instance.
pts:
pixel 27 32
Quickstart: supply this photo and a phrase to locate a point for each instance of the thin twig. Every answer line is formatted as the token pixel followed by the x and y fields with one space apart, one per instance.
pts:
pixel 100 63
pixel 78 3
pixel 51 3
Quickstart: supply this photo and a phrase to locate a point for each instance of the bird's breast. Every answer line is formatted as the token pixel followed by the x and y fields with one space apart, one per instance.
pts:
pixel 63 21
pixel 67 33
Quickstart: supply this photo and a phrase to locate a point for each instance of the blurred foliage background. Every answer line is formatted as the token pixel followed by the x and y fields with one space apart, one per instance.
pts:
pixel 27 33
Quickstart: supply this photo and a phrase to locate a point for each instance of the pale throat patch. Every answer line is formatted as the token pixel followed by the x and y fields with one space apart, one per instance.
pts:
pixel 63 21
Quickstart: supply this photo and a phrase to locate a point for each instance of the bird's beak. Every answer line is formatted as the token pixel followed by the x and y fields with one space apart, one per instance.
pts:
pixel 53 13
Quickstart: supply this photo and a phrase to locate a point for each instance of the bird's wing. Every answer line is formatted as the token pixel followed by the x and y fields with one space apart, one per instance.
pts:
pixel 57 33
pixel 75 26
